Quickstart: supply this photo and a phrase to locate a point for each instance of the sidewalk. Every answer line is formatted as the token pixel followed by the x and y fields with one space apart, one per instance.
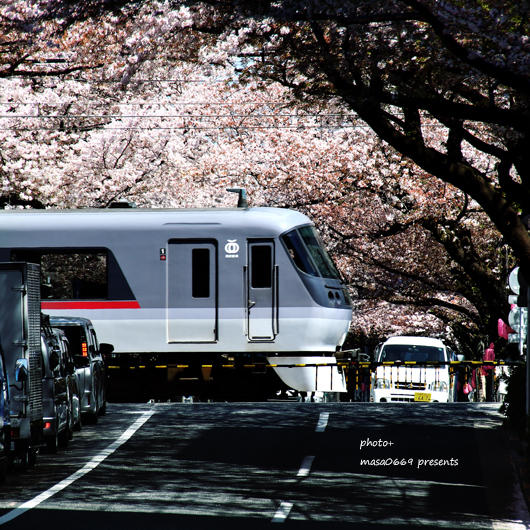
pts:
pixel 519 454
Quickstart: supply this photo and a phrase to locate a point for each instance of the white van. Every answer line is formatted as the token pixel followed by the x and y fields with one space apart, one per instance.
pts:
pixel 410 382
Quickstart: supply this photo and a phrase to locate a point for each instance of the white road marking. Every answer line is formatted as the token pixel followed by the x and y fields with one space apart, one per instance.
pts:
pixel 322 422
pixel 282 513
pixel 306 466
pixel 78 474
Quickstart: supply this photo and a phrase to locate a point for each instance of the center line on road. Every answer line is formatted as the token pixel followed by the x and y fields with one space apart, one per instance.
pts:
pixel 306 466
pixel 322 422
pixel 79 473
pixel 283 512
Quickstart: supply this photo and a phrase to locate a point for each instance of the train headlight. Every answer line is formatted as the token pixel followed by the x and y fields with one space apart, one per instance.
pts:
pixel 382 383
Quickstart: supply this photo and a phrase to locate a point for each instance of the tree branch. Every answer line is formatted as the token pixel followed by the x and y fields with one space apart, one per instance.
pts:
pixel 497 71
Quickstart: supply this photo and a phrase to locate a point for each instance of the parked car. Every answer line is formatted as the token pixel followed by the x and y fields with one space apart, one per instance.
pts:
pixel 5 424
pixel 72 382
pixel 89 362
pixel 54 392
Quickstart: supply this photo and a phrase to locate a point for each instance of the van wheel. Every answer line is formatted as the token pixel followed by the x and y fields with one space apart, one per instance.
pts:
pixel 32 457
pixel 70 424
pixel 4 460
pixel 94 417
pixel 52 443
pixel 64 435
pixel 23 465
pixel 78 425
pixel 3 471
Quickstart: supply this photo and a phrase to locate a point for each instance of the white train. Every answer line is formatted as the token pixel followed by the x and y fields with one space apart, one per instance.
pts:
pixel 187 286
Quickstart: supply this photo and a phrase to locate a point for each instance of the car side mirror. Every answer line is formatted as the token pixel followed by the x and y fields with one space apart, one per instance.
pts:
pixel 21 370
pixel 106 349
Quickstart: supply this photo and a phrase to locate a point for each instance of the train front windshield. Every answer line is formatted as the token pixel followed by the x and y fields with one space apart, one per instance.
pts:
pixel 309 254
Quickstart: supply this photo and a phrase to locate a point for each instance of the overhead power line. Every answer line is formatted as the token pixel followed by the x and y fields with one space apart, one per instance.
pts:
pixel 149 116
pixel 187 127
pixel 185 121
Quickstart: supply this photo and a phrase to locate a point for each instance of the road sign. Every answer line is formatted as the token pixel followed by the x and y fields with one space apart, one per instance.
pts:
pixel 519 287
pixel 513 281
pixel 518 317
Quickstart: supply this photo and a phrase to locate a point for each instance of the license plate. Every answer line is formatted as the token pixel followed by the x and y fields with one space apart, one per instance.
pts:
pixel 422 396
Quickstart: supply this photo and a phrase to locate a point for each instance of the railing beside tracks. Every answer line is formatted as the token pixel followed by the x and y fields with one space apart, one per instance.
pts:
pixel 340 364
pixel 358 374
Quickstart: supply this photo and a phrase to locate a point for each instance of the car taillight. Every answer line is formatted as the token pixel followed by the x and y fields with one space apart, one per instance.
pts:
pixel 84 349
pixel 15 432
pixel 47 425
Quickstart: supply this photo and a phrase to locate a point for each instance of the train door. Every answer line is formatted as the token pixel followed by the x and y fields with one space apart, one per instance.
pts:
pixel 192 291
pixel 262 285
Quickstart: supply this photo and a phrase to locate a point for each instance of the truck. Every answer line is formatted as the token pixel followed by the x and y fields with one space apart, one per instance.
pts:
pixel 20 336
pixel 417 371
pixel 5 423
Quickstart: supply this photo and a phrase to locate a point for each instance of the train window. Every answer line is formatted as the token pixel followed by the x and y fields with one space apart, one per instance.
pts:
pixel 200 273
pixel 318 252
pixel 261 261
pixel 298 252
pixel 69 275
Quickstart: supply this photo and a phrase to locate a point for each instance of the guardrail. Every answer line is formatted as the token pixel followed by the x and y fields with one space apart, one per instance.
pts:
pixel 354 364
pixel 357 375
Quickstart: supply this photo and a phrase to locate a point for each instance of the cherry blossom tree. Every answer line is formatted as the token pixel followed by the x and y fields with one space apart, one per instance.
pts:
pixel 406 66
pixel 143 106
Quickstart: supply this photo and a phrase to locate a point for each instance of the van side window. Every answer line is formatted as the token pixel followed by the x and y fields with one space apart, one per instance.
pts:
pixel 94 340
pixel 261 260
pixel 200 273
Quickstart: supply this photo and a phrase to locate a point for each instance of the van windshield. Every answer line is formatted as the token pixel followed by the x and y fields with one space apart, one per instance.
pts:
pixel 309 254
pixel 408 352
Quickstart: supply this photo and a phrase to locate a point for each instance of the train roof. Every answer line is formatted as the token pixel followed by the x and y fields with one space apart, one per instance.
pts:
pixel 146 218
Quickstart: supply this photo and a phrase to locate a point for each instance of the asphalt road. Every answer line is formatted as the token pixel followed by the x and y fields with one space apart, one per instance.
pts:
pixel 303 465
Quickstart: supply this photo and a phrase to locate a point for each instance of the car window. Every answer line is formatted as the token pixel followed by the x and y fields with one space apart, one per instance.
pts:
pixel 73 334
pixel 411 352
pixel 94 340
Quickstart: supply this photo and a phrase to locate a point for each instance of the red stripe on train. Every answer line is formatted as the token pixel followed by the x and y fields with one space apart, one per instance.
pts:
pixel 91 304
